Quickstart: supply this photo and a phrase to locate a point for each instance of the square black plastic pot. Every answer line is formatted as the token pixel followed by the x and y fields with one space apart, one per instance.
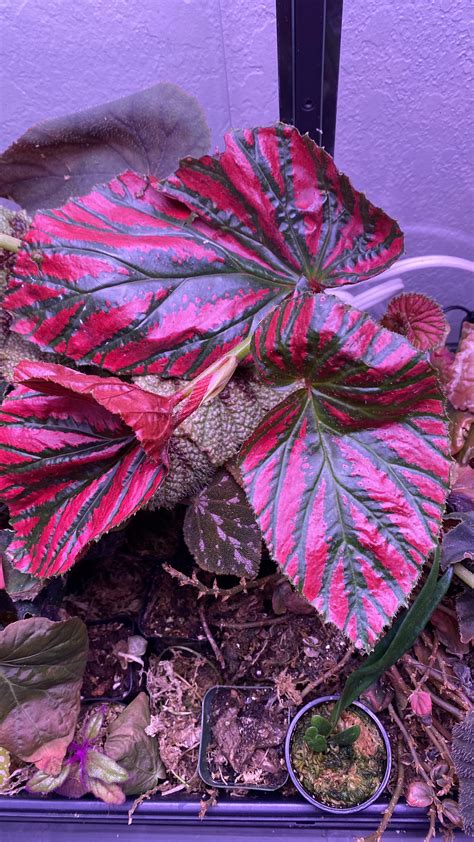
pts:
pixel 158 642
pixel 206 738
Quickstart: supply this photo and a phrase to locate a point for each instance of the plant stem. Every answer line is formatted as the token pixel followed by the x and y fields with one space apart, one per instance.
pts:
pixel 242 349
pixel 464 574
pixel 442 749
pixel 432 828
pixel 8 243
pixel 208 633
pixel 244 586
pixel 255 624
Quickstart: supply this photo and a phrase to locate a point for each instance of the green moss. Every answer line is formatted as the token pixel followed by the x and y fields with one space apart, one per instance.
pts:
pixel 343 776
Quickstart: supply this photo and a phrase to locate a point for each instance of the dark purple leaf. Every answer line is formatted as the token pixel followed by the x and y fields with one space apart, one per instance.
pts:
pixel 465 612
pixel 149 132
pixel 458 543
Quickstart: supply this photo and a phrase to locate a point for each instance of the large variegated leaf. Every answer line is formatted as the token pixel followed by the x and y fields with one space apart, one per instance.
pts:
pixel 128 278
pixel 348 476
pixel 70 469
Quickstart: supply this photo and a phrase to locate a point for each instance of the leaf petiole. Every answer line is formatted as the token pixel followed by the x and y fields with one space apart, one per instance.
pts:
pixel 8 243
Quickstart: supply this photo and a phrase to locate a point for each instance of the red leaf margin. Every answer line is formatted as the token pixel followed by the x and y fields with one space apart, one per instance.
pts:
pixel 348 476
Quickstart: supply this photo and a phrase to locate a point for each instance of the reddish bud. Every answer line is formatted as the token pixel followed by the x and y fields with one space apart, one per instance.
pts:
pixel 421 703
pixel 419 794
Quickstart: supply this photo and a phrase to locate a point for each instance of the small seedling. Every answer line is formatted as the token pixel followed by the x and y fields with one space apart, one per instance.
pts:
pixel 86 768
pixel 320 733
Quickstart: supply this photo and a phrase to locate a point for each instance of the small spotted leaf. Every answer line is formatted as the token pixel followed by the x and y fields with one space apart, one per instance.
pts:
pixel 220 529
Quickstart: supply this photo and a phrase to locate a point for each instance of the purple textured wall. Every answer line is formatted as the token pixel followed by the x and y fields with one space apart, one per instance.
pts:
pixel 404 131
pixel 404 128
pixel 59 56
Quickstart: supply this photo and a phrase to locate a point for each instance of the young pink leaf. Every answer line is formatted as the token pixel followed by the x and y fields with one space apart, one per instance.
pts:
pixel 419 318
pixel 420 702
pixel 132 280
pixel 70 469
pixel 149 415
pixel 348 476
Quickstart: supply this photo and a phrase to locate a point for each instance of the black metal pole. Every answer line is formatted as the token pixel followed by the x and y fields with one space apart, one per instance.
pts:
pixel 309 42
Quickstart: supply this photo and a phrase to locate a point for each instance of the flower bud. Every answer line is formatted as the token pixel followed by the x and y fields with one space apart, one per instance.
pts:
pixel 421 704
pixel 419 794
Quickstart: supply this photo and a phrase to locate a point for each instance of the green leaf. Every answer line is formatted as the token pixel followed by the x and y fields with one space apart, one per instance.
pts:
pixel 318 743
pixel 18 585
pixel 346 737
pixel 43 783
pixel 311 733
pixel 99 765
pixel 93 726
pixel 110 793
pixel 322 725
pixel 137 752
pixel 4 766
pixel 398 639
pixel 41 669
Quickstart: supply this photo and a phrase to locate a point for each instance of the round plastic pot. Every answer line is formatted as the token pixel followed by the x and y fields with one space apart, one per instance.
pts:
pixel 206 737
pixel 319 804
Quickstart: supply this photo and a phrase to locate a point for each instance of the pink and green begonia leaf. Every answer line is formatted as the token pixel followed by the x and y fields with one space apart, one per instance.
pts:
pixel 71 467
pixel 141 276
pixel 419 318
pixel 348 476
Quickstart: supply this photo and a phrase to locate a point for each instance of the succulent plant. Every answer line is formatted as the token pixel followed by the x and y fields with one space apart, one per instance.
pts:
pixel 321 733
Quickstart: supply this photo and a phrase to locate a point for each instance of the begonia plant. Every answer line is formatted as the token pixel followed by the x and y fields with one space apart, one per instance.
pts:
pixel 146 299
